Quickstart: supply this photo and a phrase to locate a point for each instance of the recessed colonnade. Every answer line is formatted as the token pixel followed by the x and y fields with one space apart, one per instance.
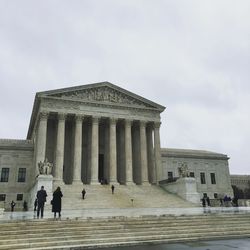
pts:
pixel 90 149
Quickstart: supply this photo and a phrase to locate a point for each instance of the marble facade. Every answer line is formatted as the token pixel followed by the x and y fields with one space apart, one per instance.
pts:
pixel 94 133
pixel 97 132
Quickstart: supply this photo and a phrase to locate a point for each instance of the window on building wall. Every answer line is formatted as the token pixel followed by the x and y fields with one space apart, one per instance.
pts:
pixel 213 181
pixel 191 174
pixel 170 175
pixel 5 175
pixel 203 178
pixel 19 197
pixel 21 175
pixel 215 195
pixel 2 197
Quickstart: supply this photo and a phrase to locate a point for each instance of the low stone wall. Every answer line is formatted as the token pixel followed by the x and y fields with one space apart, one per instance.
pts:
pixel 185 188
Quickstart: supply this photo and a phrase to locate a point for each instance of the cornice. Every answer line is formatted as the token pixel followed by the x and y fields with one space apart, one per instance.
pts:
pixel 195 154
pixel 12 144
pixel 100 104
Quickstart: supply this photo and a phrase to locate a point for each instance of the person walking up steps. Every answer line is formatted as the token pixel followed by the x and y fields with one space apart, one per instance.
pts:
pixel 112 189
pixel 12 205
pixel 83 193
pixel 41 199
pixel 57 202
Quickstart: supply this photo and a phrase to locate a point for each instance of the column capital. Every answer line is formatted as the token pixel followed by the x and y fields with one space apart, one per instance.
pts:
pixel 61 116
pixel 43 115
pixel 95 119
pixel 157 124
pixel 79 118
pixel 112 120
pixel 128 121
pixel 143 123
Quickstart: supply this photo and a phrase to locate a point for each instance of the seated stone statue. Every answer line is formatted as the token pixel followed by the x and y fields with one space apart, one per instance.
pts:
pixel 183 170
pixel 45 167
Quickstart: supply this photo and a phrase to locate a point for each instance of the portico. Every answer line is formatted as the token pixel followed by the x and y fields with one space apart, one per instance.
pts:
pixel 97 132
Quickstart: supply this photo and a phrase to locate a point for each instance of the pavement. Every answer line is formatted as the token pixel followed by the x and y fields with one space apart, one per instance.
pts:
pixel 124 212
pixel 238 244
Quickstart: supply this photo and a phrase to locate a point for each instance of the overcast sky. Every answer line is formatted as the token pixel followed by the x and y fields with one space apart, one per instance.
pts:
pixel 193 57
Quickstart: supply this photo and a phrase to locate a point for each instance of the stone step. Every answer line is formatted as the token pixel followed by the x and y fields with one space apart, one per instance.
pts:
pixel 120 240
pixel 120 221
pixel 100 196
pixel 67 234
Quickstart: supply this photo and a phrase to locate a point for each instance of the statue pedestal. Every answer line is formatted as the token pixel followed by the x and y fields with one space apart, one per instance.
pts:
pixel 185 188
pixel 47 182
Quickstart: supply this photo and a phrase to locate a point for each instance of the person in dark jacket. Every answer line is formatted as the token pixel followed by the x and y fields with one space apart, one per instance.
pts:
pixel 203 201
pixel 83 193
pixel 112 189
pixel 208 202
pixel 12 205
pixel 41 199
pixel 57 202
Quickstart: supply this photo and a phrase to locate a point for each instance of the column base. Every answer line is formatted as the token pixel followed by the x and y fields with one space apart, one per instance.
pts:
pixel 130 183
pixel 58 183
pixel 145 183
pixel 77 182
pixel 95 183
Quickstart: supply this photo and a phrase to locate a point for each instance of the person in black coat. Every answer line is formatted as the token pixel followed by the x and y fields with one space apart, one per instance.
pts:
pixel 41 199
pixel 112 189
pixel 12 205
pixel 57 202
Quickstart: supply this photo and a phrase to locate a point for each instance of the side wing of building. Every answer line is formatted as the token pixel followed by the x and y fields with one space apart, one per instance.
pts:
pixel 210 170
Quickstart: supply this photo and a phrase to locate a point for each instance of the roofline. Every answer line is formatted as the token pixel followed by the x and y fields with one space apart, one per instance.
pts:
pixel 192 153
pixel 43 94
pixel 99 84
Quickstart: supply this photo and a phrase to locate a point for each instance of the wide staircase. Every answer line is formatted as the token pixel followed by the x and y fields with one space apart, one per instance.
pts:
pixel 100 196
pixel 120 231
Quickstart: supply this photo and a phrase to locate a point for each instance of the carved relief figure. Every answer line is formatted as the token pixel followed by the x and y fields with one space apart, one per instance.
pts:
pixel 104 94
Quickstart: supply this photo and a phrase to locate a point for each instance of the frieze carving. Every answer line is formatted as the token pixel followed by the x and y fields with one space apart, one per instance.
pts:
pixel 103 94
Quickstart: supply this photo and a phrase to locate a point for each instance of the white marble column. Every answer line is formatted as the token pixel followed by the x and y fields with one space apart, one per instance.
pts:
pixel 112 151
pixel 94 150
pixel 60 147
pixel 150 150
pixel 41 138
pixel 157 149
pixel 128 153
pixel 77 150
pixel 144 160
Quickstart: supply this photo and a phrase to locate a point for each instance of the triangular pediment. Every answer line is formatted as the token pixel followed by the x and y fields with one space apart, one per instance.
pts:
pixel 105 93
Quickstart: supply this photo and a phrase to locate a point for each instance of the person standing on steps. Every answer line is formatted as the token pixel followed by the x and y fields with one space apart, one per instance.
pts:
pixel 41 199
pixel 57 202
pixel 208 202
pixel 35 204
pixel 112 189
pixel 83 193
pixel 25 206
pixel 12 205
pixel 203 200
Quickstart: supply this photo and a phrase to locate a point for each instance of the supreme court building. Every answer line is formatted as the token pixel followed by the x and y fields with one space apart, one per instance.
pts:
pixel 93 133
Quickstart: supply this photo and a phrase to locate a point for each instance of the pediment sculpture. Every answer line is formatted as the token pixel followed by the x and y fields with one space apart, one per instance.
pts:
pixel 183 170
pixel 45 167
pixel 103 94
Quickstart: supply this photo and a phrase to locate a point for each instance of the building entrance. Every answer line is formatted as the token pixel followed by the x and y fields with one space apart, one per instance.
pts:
pixel 101 168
